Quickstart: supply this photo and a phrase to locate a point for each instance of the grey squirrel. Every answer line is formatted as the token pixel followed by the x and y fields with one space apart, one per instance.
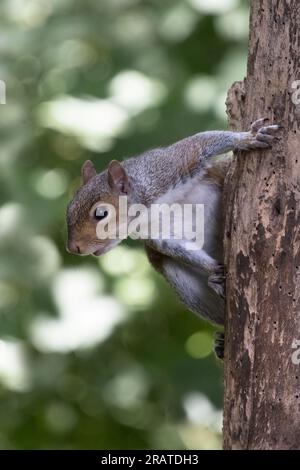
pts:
pixel 188 171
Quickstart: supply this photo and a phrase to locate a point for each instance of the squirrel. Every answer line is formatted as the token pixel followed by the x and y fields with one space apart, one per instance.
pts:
pixel 190 171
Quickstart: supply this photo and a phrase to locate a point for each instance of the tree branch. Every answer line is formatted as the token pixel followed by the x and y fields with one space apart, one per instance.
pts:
pixel 262 243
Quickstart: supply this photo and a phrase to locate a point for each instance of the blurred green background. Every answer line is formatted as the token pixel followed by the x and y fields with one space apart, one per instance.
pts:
pixel 101 354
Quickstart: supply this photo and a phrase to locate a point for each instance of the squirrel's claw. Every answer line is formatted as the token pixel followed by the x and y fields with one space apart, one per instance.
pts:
pixel 256 125
pixel 219 345
pixel 263 133
pixel 260 136
pixel 216 281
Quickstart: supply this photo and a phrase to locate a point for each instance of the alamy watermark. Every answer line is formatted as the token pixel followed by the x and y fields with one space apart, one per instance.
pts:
pixel 296 92
pixel 296 354
pixel 156 222
pixel 2 92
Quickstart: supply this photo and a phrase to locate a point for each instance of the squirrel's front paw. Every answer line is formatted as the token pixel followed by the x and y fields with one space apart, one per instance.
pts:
pixel 260 136
pixel 216 280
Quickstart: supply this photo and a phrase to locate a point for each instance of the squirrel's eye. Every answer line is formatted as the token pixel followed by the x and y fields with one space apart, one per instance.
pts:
pixel 101 213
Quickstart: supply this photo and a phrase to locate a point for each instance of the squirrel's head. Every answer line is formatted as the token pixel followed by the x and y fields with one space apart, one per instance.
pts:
pixel 95 209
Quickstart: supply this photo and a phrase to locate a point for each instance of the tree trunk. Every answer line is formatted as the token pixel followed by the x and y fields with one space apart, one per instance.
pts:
pixel 262 242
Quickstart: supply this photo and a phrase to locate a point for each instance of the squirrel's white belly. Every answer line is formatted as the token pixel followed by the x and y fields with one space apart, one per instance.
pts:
pixel 191 282
pixel 200 191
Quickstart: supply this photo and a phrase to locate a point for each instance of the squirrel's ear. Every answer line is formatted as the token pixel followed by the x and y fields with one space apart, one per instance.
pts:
pixel 117 177
pixel 87 171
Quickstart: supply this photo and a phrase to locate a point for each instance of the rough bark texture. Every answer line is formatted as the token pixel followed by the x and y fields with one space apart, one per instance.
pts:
pixel 262 243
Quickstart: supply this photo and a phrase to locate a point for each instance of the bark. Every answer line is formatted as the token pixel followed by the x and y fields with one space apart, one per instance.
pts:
pixel 262 243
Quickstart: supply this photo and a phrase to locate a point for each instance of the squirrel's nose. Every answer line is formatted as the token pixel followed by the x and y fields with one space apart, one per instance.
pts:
pixel 73 247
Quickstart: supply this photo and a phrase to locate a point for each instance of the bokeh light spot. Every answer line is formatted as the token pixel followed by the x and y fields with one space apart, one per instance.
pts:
pixel 199 344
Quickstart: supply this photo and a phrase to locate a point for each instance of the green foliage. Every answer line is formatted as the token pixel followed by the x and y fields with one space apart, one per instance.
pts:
pixel 102 354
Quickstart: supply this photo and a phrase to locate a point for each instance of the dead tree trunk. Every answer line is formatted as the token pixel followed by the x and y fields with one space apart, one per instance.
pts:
pixel 262 242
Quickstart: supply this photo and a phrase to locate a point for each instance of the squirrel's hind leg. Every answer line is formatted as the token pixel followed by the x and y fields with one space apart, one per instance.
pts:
pixel 219 345
pixel 216 281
